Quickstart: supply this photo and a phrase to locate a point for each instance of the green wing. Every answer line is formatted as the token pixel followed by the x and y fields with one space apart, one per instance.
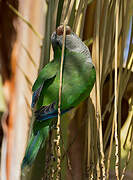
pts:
pixel 48 72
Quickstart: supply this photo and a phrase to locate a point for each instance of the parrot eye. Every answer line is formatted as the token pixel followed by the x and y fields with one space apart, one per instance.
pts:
pixel 60 30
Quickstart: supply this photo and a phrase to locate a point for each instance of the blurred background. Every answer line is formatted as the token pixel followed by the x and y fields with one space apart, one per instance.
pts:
pixel 97 136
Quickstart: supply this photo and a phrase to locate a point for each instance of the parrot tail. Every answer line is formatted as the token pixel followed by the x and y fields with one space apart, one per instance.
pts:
pixel 34 145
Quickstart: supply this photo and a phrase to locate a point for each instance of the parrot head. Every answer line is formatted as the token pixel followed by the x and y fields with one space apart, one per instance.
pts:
pixel 57 36
pixel 72 42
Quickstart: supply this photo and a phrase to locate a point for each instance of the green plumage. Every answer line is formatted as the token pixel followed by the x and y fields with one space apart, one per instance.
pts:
pixel 78 80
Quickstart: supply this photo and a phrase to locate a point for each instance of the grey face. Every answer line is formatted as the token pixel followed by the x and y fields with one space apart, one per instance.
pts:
pixel 57 36
pixel 69 41
pixel 72 42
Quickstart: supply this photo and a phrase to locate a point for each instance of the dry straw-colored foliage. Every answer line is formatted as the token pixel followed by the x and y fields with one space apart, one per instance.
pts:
pixel 104 26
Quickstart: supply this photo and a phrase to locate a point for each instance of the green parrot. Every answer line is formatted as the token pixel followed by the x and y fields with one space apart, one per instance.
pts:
pixel 78 79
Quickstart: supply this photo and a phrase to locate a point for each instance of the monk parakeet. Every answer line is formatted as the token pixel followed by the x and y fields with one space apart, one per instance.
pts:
pixel 78 79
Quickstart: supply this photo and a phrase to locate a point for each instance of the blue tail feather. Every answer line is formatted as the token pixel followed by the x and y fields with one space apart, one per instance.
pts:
pixel 34 145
